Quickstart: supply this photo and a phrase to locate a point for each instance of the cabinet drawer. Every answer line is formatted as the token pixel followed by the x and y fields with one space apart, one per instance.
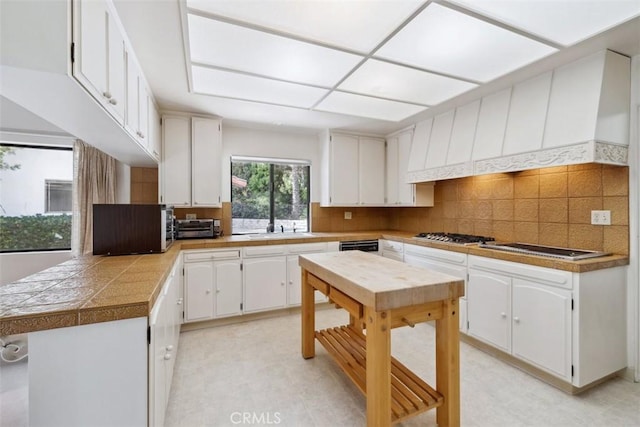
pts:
pixel 211 255
pixel 302 248
pixel 436 254
pixel 545 276
pixel 256 251
pixel 391 246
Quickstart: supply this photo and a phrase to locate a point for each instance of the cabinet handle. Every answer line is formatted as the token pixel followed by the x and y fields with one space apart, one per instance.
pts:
pixel 113 101
pixel 281 283
pixel 170 348
pixel 516 319
pixel 208 291
pixel 291 282
pixel 106 95
pixel 503 314
pixel 217 291
pixel 179 301
pixel 167 356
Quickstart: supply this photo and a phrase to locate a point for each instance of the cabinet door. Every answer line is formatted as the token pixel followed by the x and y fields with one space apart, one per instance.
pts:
pixel 371 171
pixel 393 172
pixel 157 371
pixel 206 162
pixel 143 113
pixel 344 170
pixel 91 40
pixel 154 130
pixel 294 283
pixel 488 308
pixel 542 327
pixel 115 68
pixel 405 191
pixel 198 291
pixel 131 122
pixel 176 155
pixel 228 279
pixel 264 283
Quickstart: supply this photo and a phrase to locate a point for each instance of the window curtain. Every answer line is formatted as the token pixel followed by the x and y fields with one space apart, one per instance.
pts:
pixel 94 179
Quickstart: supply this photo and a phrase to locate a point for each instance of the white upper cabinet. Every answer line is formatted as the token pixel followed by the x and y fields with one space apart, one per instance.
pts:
pixel 439 141
pixel 206 162
pixel 352 170
pixel 191 169
pixel 100 66
pixel 590 101
pixel 463 133
pixel 419 145
pixel 175 167
pixel 371 178
pixel 527 115
pixel 399 191
pixel 492 122
pixel 155 133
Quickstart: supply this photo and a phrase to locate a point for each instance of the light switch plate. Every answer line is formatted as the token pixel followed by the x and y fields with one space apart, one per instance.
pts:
pixel 347 215
pixel 601 217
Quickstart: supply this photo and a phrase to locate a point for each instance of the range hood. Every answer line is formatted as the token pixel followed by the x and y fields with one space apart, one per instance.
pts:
pixel 577 113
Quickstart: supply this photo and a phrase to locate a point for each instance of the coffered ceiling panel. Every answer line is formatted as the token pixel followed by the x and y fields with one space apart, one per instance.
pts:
pixel 564 21
pixel 378 78
pixel 358 105
pixel 240 86
pixel 450 42
pixel 356 25
pixel 266 54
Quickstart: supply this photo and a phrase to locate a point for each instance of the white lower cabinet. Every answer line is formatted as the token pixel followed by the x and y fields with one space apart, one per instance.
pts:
pixel 447 262
pixel 391 249
pixel 488 308
pixel 542 326
pixel 294 272
pixel 265 283
pixel 164 333
pixel 212 284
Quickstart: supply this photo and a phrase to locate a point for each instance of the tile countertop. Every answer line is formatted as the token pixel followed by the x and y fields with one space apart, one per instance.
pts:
pixel 94 289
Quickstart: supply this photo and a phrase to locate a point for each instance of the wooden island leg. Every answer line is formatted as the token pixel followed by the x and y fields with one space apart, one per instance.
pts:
pixel 378 367
pixel 308 318
pixel 448 364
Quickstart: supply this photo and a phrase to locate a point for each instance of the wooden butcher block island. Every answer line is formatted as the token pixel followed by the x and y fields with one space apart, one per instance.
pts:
pixel 381 294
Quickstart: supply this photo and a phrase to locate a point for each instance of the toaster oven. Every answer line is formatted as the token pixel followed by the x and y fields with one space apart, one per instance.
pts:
pixel 198 228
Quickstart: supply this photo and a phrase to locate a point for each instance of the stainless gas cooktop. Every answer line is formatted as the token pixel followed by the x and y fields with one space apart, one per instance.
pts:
pixel 460 239
pixel 547 251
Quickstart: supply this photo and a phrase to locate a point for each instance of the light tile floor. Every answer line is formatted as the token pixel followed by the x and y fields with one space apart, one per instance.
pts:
pixel 256 368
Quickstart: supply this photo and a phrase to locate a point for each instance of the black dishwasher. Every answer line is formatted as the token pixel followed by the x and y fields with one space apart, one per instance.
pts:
pixel 359 245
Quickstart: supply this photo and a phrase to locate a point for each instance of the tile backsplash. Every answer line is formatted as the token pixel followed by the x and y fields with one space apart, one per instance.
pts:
pixel 550 206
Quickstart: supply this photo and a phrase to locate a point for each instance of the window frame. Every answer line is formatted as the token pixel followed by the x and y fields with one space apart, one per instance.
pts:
pixel 271 162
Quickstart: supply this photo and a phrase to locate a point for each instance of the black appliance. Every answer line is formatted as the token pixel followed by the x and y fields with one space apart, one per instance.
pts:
pixel 198 229
pixel 359 245
pixel 120 229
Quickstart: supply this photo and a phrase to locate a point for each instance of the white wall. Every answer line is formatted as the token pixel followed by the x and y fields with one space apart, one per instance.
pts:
pixel 14 266
pixel 237 141
pixel 23 190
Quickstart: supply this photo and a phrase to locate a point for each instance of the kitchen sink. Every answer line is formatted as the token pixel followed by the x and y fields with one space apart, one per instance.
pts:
pixel 547 251
pixel 269 236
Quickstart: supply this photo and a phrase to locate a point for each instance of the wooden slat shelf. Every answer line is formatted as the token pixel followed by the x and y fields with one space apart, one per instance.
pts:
pixel 410 395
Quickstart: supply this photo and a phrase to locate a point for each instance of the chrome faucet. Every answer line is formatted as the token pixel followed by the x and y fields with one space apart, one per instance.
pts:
pixel 294 227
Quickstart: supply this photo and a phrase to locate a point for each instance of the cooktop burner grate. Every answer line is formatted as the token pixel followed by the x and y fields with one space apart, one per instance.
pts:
pixel 460 239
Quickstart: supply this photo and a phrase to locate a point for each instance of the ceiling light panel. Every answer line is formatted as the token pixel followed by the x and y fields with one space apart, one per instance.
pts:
pixel 563 21
pixel 357 25
pixel 365 106
pixel 450 42
pixel 234 85
pixel 239 48
pixel 378 78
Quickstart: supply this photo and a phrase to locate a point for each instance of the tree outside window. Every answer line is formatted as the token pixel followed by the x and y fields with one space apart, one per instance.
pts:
pixel 265 193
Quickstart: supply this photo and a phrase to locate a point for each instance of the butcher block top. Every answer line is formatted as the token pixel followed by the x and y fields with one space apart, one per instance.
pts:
pixel 381 283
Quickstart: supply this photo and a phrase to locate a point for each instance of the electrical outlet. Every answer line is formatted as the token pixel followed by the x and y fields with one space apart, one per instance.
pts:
pixel 347 215
pixel 601 217
pixel 191 216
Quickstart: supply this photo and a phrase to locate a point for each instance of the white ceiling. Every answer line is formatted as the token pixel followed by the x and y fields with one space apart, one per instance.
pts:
pixel 373 66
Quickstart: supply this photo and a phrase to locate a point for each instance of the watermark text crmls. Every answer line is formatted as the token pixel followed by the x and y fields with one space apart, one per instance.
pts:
pixel 254 418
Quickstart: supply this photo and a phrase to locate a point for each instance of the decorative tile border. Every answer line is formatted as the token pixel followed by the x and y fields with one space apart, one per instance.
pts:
pixel 586 152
